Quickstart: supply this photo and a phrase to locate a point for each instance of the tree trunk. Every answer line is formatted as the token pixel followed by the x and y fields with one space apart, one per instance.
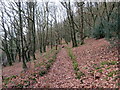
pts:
pixel 21 34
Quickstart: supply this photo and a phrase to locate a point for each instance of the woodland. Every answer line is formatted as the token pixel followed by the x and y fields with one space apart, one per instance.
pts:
pixel 60 44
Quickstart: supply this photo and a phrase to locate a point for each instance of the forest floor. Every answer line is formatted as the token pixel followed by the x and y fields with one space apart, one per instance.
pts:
pixel 96 60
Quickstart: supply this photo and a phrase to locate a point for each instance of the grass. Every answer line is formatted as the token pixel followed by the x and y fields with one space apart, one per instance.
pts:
pixel 97 68
pixel 117 77
pixel 94 64
pixel 75 66
pixel 4 86
pixel 110 74
pixel 71 55
pixel 109 63
pixel 78 73
pixel 39 64
pixel 41 73
pixel 85 67
pixel 100 70
pixel 108 68
pixel 47 55
pixel 48 66
pixel 32 78
pixel 50 62
pixel 27 83
pixel 6 80
pixel 19 86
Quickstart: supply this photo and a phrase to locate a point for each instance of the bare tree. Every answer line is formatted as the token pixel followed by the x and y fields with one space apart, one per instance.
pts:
pixel 71 22
pixel 21 36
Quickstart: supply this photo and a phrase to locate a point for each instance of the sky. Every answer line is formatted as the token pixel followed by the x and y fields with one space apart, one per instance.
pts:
pixel 57 1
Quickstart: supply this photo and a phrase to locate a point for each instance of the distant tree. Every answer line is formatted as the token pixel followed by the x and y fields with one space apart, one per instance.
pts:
pixel 5 46
pixel 71 22
pixel 81 20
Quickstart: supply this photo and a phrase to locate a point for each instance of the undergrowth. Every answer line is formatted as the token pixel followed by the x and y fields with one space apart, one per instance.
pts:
pixel 78 73
pixel 49 62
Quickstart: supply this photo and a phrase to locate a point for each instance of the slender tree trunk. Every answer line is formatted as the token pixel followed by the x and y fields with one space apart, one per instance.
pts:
pixel 34 33
pixel 72 26
pixel 82 22
pixel 5 43
pixel 51 36
pixel 21 34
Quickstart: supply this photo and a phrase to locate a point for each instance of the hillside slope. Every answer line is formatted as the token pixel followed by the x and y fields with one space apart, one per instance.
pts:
pixel 96 59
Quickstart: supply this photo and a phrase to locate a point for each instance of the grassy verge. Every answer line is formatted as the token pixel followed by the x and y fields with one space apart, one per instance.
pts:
pixel 109 63
pixel 48 54
pixel 78 73
pixel 50 61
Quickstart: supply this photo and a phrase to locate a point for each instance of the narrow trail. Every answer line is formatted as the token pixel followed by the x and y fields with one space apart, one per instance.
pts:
pixel 61 74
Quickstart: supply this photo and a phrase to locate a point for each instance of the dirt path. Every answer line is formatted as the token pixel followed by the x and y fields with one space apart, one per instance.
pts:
pixel 88 56
pixel 61 75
